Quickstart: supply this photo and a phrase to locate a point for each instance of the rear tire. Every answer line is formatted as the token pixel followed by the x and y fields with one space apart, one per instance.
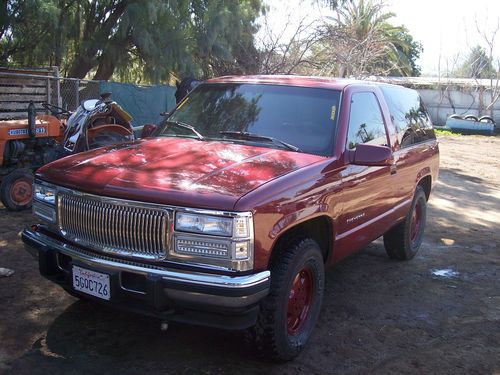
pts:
pixel 289 313
pixel 16 190
pixel 403 241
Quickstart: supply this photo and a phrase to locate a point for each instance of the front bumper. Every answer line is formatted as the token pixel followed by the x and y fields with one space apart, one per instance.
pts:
pixel 201 298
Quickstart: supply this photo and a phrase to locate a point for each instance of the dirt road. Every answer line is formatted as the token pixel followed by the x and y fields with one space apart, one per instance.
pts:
pixel 439 313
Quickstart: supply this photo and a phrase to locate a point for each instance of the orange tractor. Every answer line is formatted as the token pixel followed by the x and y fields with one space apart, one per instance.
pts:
pixel 26 145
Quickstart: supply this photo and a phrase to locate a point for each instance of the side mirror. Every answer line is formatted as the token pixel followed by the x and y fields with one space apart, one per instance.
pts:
pixel 372 155
pixel 148 130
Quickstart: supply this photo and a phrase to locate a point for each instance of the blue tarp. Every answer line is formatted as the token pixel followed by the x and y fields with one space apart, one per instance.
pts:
pixel 144 103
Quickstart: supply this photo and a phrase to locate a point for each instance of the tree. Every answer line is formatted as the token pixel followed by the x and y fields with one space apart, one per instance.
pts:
pixel 278 55
pixel 136 39
pixel 476 65
pixel 403 57
pixel 361 41
pixel 481 65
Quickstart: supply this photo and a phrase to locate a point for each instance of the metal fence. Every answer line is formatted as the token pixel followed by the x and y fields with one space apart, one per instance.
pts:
pixel 73 91
pixel 19 87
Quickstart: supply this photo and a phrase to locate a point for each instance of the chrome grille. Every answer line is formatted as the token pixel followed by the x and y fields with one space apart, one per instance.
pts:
pixel 114 226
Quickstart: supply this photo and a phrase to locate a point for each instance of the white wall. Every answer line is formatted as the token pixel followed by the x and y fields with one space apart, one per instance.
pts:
pixel 444 101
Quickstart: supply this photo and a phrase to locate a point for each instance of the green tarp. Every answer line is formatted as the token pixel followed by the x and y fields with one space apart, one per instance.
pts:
pixel 144 103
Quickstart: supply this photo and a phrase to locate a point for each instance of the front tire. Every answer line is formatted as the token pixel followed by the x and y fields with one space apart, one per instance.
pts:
pixel 289 313
pixel 403 241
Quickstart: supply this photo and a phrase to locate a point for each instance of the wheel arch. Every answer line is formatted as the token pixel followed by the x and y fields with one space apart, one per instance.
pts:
pixel 426 183
pixel 318 228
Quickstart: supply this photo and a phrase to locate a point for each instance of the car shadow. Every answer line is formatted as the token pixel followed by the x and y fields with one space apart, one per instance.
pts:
pixel 95 338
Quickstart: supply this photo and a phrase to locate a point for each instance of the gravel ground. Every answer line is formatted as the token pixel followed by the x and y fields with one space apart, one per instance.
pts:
pixel 439 313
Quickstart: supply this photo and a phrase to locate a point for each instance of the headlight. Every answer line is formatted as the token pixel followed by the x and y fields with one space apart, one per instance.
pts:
pixel 44 193
pixel 224 241
pixel 217 226
pixel 44 202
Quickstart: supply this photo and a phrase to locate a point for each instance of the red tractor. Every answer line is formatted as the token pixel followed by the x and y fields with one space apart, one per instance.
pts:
pixel 26 145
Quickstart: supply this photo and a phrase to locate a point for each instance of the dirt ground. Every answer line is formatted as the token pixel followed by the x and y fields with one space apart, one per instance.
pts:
pixel 439 313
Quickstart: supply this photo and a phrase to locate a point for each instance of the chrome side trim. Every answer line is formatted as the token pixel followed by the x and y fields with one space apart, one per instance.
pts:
pixel 374 220
pixel 190 278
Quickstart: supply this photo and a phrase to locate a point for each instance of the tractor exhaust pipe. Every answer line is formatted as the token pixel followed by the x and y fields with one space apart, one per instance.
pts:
pixel 31 120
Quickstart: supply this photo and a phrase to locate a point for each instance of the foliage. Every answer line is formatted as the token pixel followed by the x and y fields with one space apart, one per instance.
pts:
pixel 132 39
pixel 361 41
pixel 149 41
pixel 446 132
pixel 476 65
pixel 403 58
pixel 279 56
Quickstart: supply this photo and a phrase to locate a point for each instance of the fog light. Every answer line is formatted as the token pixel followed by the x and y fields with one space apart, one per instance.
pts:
pixel 241 250
pixel 206 248
pixel 44 212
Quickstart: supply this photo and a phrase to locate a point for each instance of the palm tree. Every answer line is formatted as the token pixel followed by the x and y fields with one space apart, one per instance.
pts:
pixel 362 41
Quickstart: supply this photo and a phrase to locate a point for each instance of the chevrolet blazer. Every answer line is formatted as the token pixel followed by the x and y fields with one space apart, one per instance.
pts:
pixel 228 212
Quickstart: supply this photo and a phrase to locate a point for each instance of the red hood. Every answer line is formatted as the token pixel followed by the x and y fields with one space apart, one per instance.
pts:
pixel 174 171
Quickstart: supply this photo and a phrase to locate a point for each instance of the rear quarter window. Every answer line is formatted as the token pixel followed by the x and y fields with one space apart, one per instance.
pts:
pixel 408 114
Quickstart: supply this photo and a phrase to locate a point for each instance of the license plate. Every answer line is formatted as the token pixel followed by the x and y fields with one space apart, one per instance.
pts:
pixel 94 283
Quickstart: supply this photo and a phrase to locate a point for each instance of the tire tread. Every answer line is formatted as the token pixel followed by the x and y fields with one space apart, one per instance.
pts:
pixel 263 335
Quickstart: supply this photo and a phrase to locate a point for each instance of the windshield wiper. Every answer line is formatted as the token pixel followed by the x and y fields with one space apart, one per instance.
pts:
pixel 250 136
pixel 186 126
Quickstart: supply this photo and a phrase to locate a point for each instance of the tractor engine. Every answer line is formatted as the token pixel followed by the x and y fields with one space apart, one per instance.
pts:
pixel 29 153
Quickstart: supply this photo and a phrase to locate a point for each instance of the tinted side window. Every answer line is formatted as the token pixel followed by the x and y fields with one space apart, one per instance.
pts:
pixel 366 124
pixel 409 115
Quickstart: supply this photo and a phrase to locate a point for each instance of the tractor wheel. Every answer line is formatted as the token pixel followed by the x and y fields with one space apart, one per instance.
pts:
pixel 106 138
pixel 16 190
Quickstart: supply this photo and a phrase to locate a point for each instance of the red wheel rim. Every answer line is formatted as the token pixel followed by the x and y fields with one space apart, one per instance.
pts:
pixel 21 191
pixel 416 222
pixel 299 300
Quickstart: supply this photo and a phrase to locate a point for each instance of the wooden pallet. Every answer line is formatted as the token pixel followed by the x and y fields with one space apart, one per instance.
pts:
pixel 19 87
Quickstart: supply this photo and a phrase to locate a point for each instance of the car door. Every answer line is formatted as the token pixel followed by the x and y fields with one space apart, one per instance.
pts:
pixel 367 191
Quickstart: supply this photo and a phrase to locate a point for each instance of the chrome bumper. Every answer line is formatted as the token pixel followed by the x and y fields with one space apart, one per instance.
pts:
pixel 192 287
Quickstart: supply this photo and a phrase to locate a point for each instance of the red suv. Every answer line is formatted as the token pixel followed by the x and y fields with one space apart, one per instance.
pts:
pixel 229 211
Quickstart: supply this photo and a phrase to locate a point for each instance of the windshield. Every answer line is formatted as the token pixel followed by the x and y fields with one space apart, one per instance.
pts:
pixel 299 116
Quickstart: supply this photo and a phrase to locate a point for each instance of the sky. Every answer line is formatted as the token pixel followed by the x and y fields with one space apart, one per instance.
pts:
pixel 446 28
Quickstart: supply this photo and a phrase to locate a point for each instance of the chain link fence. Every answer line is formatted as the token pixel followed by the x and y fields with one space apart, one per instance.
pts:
pixel 20 87
pixel 74 91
